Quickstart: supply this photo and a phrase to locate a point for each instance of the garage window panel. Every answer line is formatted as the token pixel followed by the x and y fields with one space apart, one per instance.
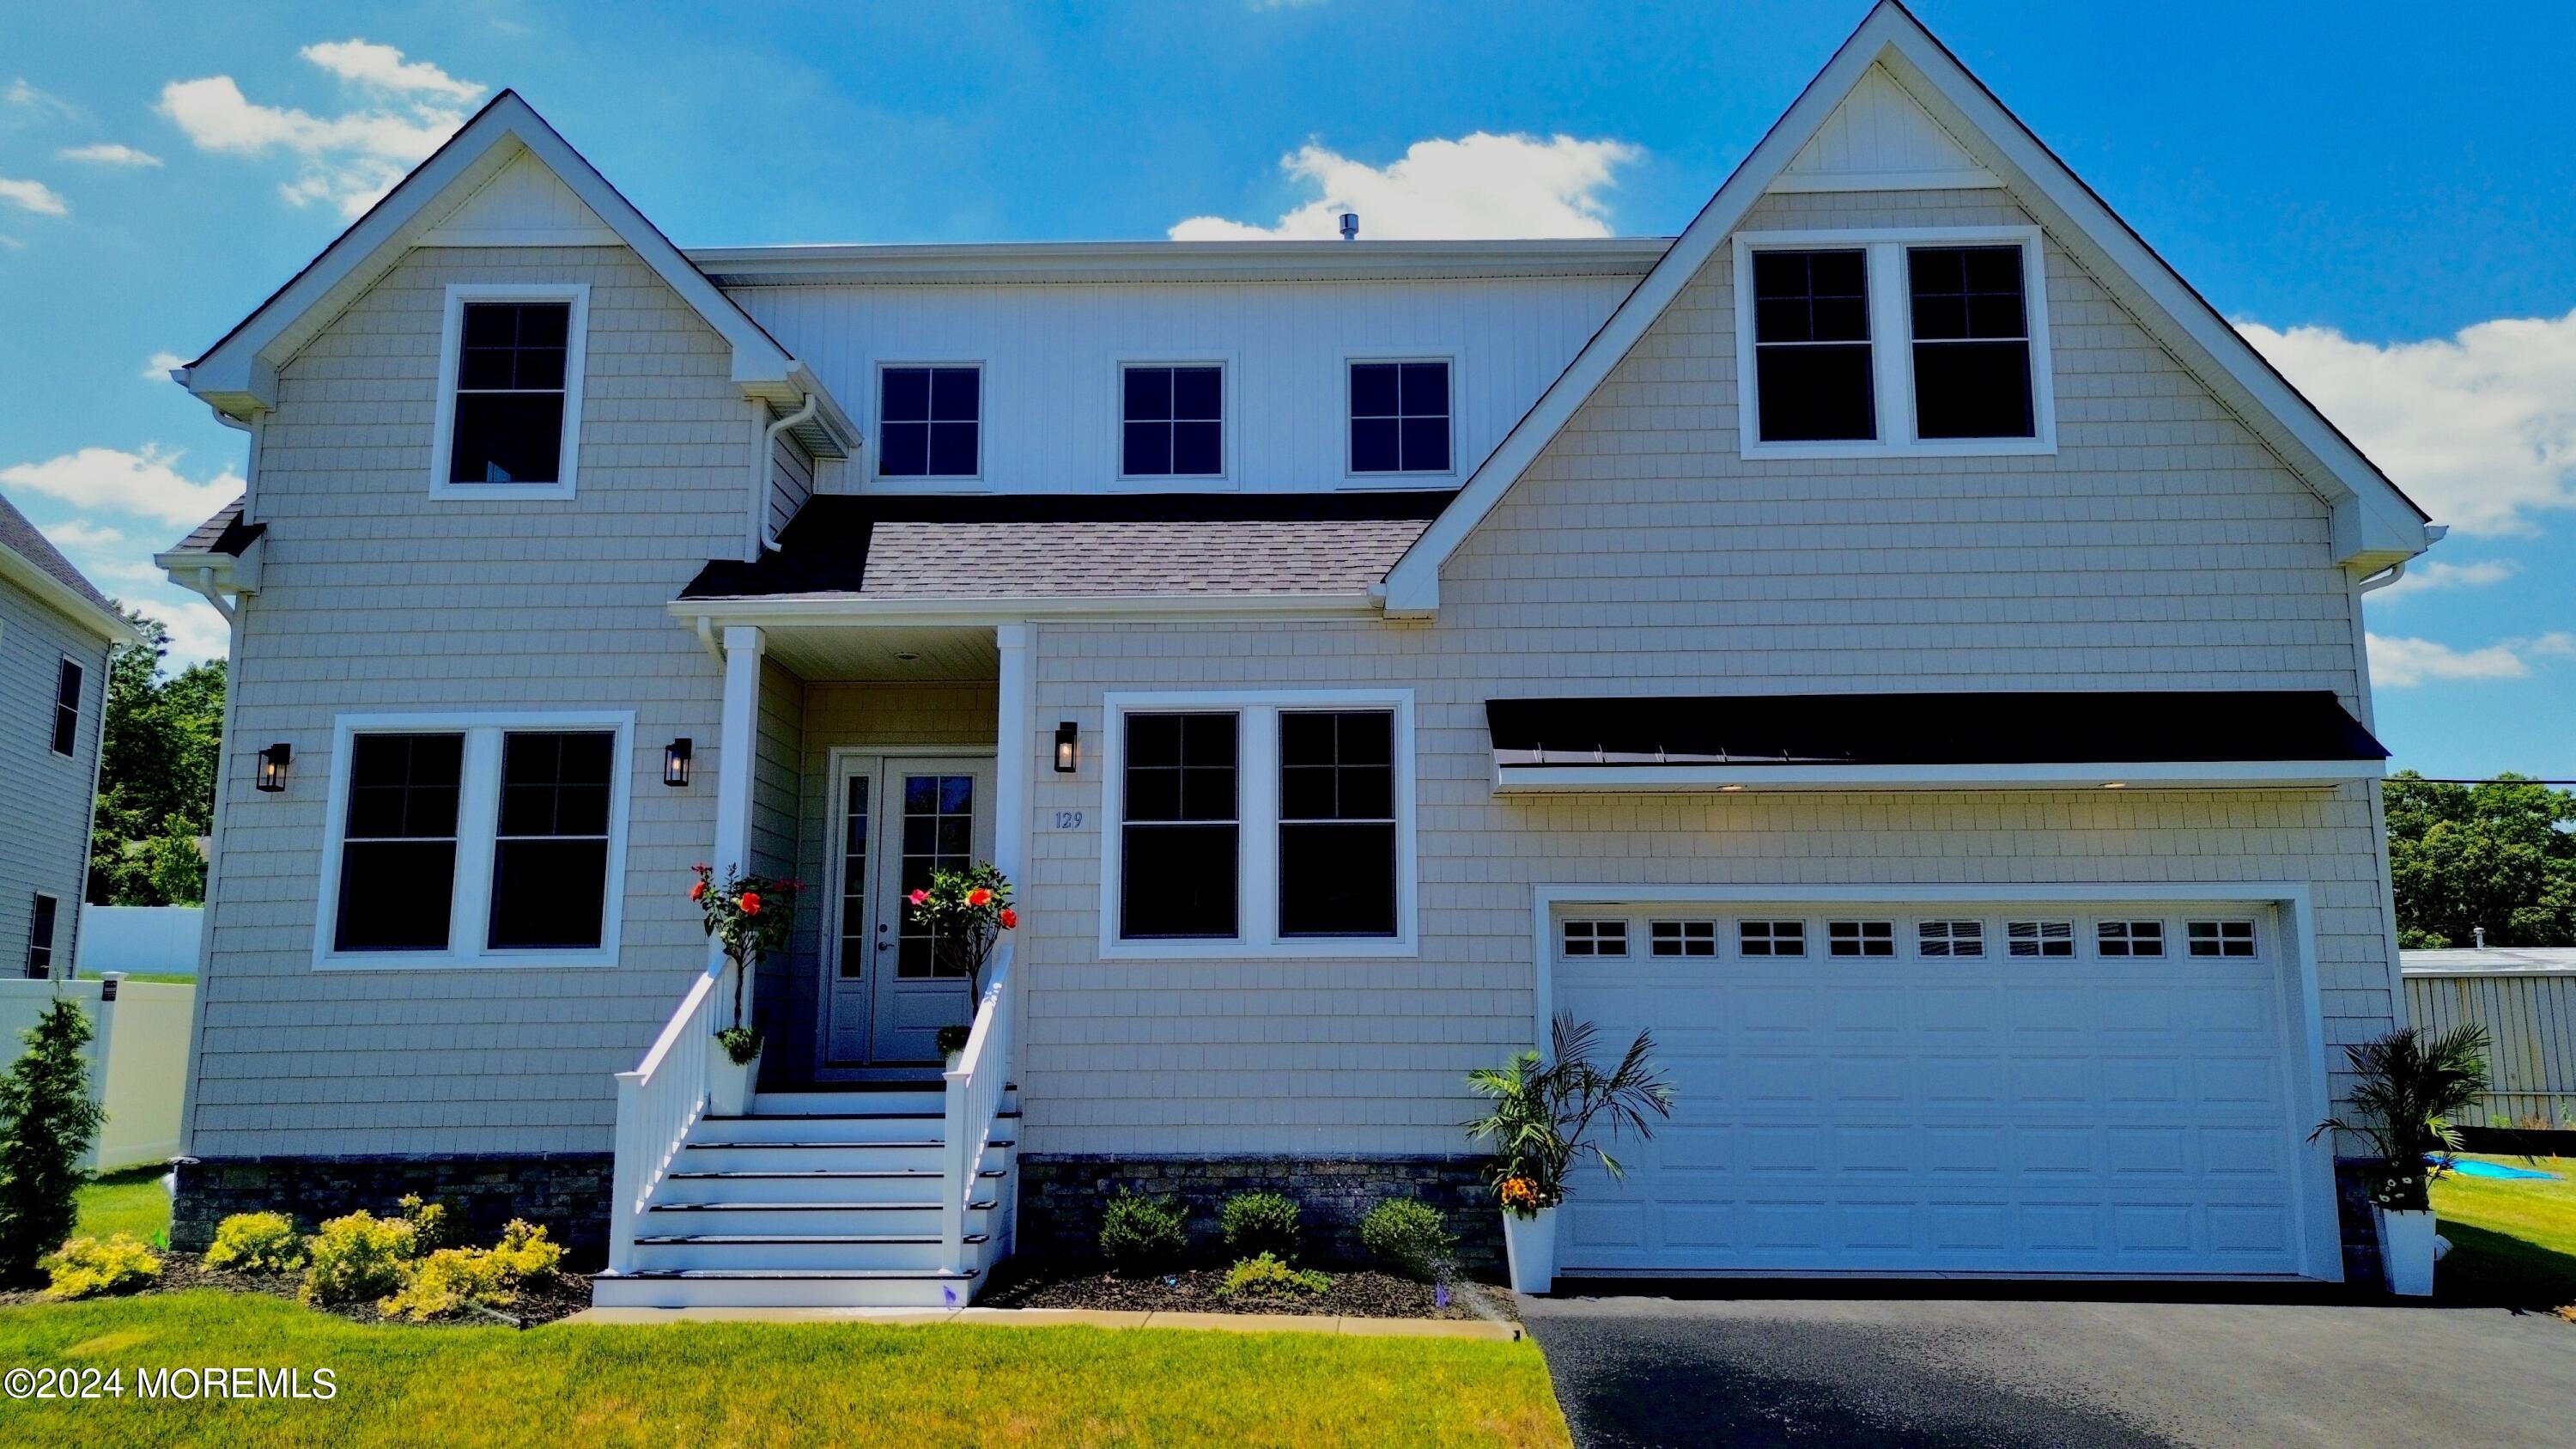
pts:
pixel 2039 938
pixel 1950 938
pixel 2129 938
pixel 2219 938
pixel 1860 938
pixel 1596 938
pixel 1683 938
pixel 1771 938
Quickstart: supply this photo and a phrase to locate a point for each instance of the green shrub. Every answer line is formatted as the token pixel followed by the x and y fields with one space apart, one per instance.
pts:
pixel 1264 1276
pixel 525 1252
pixel 1142 1234
pixel 1260 1222
pixel 256 1243
pixel 449 1280
pixel 359 1257
pixel 428 1221
pixel 1407 1237
pixel 86 1267
pixel 47 1120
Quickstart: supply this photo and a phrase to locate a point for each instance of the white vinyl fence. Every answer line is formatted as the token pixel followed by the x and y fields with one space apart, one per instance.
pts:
pixel 145 940
pixel 138 1058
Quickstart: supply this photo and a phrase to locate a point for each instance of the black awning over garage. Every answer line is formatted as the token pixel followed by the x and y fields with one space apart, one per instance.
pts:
pixel 1931 740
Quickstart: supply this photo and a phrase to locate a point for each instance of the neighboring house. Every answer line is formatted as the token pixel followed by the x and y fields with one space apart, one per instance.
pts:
pixel 2525 997
pixel 56 632
pixel 1928 692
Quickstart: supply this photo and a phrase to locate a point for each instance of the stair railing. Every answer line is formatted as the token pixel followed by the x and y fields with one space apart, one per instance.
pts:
pixel 974 1098
pixel 657 1104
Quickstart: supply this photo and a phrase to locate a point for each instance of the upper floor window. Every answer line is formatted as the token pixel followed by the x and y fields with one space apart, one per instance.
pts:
pixel 1172 422
pixel 510 391
pixel 67 702
pixel 40 935
pixel 929 422
pixel 1868 344
pixel 1399 417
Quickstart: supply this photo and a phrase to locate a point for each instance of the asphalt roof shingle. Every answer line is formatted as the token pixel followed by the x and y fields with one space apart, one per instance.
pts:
pixel 21 538
pixel 223 533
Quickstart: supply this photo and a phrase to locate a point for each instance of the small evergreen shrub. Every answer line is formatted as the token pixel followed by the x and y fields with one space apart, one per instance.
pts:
pixel 446 1282
pixel 1407 1237
pixel 526 1254
pixel 1255 1223
pixel 428 1221
pixel 87 1268
pixel 256 1243
pixel 47 1120
pixel 359 1257
pixel 1264 1276
pixel 1141 1235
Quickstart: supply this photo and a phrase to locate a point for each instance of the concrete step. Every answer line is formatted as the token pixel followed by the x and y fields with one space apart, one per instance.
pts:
pixel 751 1217
pixel 691 1288
pixel 775 1253
pixel 855 1126
pixel 910 1185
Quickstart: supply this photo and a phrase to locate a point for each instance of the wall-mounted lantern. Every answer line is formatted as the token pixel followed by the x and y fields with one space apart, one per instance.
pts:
pixel 1068 737
pixel 272 766
pixel 675 763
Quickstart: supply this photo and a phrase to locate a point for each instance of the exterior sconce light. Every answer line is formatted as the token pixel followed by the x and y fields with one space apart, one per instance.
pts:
pixel 675 763
pixel 272 766
pixel 1068 736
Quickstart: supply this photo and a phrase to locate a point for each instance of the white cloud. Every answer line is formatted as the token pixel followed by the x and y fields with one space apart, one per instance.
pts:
pixel 1480 185
pixel 27 97
pixel 2399 663
pixel 79 535
pixel 33 196
pixel 350 159
pixel 157 367
pixel 2479 428
pixel 146 483
pixel 109 153
pixel 2421 577
pixel 12 243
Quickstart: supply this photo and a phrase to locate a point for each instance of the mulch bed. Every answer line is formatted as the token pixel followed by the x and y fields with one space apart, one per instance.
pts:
pixel 542 1302
pixel 1358 1293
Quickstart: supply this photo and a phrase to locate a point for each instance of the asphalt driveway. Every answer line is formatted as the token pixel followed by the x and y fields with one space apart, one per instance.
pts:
pixel 1942 1371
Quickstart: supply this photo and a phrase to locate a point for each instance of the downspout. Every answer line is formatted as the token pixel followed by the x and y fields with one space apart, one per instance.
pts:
pixel 769 451
pixel 205 585
pixel 2384 577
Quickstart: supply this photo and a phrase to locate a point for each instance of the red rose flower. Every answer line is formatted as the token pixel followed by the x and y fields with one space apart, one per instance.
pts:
pixel 750 903
pixel 698 892
pixel 1010 919
pixel 979 897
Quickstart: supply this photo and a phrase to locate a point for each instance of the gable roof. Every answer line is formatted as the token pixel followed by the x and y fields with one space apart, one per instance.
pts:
pixel 238 375
pixel 2374 524
pixel 30 560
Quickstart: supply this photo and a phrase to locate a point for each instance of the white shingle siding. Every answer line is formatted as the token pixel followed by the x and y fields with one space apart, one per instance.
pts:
pixel 379 598
pixel 44 797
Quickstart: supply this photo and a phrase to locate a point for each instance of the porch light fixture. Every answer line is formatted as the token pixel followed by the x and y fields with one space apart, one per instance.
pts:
pixel 1068 736
pixel 272 766
pixel 675 763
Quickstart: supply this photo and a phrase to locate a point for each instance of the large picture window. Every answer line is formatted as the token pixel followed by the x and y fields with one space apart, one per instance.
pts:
pixel 509 403
pixel 1259 825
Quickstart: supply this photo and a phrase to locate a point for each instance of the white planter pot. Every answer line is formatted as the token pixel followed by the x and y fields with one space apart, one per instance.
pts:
pixel 728 1081
pixel 1529 1245
pixel 2406 1251
pixel 951 1060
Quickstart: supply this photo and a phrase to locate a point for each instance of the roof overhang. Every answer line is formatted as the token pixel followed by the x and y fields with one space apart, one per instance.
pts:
pixel 853 611
pixel 1218 261
pixel 1578 779
pixel 64 599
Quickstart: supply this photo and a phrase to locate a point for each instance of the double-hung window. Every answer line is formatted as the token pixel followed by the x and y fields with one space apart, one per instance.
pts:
pixel 509 399
pixel 1861 344
pixel 1172 421
pixel 1400 417
pixel 42 918
pixel 475 840
pixel 930 422
pixel 1277 825
pixel 68 682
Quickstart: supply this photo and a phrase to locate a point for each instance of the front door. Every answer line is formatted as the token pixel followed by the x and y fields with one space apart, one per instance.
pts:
pixel 897 818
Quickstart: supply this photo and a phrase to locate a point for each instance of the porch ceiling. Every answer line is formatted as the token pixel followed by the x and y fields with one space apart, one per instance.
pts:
pixel 885 652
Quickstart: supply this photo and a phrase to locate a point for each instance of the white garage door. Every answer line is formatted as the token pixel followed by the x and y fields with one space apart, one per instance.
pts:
pixel 1979 1090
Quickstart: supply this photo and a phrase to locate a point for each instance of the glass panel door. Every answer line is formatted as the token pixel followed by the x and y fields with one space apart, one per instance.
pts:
pixel 932 815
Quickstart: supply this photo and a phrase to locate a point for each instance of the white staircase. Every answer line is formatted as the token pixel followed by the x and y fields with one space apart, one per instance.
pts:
pixel 898 1195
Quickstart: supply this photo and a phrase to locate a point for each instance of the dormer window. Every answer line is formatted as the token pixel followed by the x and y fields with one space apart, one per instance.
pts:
pixel 929 422
pixel 1172 422
pixel 509 415
pixel 1400 417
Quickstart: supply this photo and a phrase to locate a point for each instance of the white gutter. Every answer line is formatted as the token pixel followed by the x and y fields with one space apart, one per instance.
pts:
pixel 2384 577
pixel 204 583
pixel 2108 775
pixel 763 463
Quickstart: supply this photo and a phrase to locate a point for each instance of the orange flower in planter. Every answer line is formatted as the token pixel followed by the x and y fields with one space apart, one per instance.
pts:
pixel 979 897
pixel 1519 1194
pixel 750 903
pixel 698 892
pixel 1010 919
pixel 920 898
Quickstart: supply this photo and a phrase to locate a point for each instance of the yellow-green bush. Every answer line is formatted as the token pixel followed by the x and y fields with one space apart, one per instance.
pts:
pixel 449 1279
pixel 428 1221
pixel 358 1257
pixel 526 1253
pixel 86 1267
pixel 256 1243
pixel 1264 1276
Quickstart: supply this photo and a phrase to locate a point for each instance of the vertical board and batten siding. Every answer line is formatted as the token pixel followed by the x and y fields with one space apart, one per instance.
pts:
pixel 1051 354
pixel 44 796
pixel 2530 1017
pixel 379 598
pixel 2160 547
pixel 791 480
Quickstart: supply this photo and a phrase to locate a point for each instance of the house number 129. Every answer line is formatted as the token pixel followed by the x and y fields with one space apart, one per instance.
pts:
pixel 1068 820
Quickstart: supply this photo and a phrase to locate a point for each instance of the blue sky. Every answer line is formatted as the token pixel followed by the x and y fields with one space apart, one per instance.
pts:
pixel 2383 194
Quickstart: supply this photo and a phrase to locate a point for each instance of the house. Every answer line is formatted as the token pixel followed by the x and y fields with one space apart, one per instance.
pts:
pixel 56 635
pixel 1894 640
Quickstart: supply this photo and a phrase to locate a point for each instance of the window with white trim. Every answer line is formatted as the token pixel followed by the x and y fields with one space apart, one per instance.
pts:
pixel 1950 938
pixel 68 681
pixel 1771 938
pixel 1682 938
pixel 2039 938
pixel 1244 825
pixel 1172 421
pixel 930 421
pixel 43 919
pixel 475 841
pixel 2120 939
pixel 509 391
pixel 1871 343
pixel 2219 938
pixel 1860 938
pixel 1400 417
pixel 1595 938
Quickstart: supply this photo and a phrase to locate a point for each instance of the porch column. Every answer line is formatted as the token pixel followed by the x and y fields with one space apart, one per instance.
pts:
pixel 738 744
pixel 1011 753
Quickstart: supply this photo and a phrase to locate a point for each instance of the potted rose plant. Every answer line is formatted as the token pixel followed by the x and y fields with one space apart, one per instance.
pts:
pixel 2408 1086
pixel 1541 1125
pixel 966 912
pixel 750 916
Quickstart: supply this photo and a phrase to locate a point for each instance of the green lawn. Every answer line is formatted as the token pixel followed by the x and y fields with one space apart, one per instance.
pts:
pixel 770 1384
pixel 165 978
pixel 2511 1242
pixel 132 1201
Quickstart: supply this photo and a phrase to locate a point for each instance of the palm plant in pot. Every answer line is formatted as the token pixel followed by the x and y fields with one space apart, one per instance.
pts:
pixel 1545 1109
pixel 966 912
pixel 2408 1086
pixel 750 916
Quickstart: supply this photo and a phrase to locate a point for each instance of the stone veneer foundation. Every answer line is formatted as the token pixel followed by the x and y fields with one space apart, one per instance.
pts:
pixel 565 1193
pixel 1062 1195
